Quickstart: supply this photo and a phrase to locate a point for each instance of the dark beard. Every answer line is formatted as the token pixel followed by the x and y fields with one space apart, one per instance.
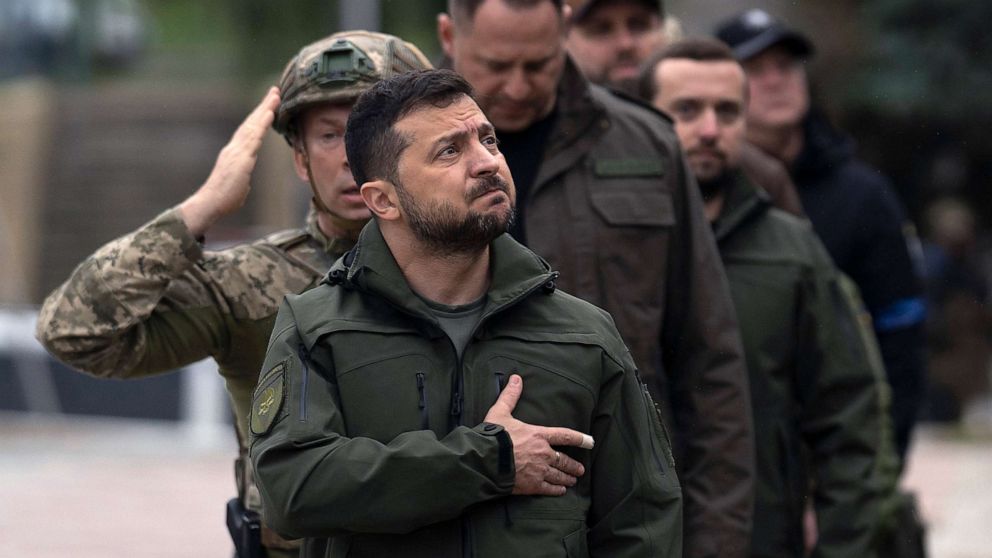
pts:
pixel 440 229
pixel 717 186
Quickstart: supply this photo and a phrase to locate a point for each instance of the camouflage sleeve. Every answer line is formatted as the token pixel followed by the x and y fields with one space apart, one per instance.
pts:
pixel 137 306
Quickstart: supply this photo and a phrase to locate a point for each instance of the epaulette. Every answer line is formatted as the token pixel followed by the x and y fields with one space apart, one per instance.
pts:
pixel 639 102
pixel 286 239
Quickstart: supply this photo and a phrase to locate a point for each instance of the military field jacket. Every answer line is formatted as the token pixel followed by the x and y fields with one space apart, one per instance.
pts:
pixel 817 386
pixel 153 300
pixel 613 209
pixel 368 436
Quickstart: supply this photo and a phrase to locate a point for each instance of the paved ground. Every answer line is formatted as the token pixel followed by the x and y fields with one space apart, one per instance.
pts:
pixel 106 489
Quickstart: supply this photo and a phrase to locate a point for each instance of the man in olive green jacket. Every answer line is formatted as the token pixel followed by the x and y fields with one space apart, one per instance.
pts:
pixel 154 300
pixel 817 385
pixel 381 425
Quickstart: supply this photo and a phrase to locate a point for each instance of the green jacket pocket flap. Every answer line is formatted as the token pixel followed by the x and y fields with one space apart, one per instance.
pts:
pixel 628 208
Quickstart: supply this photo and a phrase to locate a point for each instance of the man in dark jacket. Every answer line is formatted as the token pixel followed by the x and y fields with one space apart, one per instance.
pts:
pixel 381 425
pixel 610 40
pixel 852 206
pixel 605 197
pixel 815 389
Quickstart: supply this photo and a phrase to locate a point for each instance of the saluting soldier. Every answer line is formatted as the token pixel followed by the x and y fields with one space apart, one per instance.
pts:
pixel 154 300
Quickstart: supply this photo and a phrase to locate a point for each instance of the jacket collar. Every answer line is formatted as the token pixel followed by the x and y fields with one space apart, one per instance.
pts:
pixel 742 202
pixel 582 120
pixel 824 148
pixel 578 112
pixel 332 246
pixel 515 272
pixel 580 123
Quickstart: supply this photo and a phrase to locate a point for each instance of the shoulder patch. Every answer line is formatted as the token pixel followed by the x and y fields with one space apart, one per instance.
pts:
pixel 614 168
pixel 268 400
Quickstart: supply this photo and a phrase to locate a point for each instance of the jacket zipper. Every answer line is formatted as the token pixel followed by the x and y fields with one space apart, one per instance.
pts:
pixel 425 423
pixel 654 420
pixel 304 361
pixel 456 399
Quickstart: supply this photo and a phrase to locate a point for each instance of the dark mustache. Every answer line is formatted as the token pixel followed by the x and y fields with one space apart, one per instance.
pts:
pixel 487 184
pixel 711 151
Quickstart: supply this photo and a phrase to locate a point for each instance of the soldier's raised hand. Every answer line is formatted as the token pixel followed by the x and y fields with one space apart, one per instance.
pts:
pixel 227 187
pixel 540 469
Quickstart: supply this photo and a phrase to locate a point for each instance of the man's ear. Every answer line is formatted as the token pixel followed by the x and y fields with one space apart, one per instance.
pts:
pixel 300 162
pixel 380 196
pixel 446 33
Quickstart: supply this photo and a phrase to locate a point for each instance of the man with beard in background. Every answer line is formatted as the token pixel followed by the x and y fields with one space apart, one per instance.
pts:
pixel 610 40
pixel 822 433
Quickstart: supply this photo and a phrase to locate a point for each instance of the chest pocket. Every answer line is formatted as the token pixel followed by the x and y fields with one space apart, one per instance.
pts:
pixel 390 394
pixel 550 397
pixel 632 203
pixel 626 192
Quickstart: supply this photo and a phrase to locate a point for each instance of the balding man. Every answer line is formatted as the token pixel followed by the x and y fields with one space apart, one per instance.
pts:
pixel 604 196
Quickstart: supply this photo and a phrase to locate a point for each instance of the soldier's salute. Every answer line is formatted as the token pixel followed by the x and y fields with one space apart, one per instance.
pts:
pixel 154 300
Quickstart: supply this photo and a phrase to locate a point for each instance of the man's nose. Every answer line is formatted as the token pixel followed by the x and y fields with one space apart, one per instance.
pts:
pixel 484 161
pixel 625 39
pixel 709 125
pixel 517 86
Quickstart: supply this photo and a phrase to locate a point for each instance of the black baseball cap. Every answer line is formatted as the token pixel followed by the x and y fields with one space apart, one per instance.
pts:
pixel 581 8
pixel 754 31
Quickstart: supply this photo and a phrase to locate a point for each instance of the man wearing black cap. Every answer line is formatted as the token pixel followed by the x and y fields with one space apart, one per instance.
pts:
pixel 610 38
pixel 852 207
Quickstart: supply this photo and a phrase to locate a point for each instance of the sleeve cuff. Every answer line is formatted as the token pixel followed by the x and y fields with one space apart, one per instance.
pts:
pixel 172 222
pixel 505 465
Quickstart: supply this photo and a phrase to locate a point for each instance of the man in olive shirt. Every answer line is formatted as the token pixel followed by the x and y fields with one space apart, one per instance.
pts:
pixel 380 430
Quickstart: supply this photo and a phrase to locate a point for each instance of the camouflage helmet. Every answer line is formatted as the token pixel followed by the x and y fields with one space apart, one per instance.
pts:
pixel 338 69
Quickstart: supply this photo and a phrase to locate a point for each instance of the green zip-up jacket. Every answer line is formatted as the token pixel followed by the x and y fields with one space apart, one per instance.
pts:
pixel 368 436
pixel 817 388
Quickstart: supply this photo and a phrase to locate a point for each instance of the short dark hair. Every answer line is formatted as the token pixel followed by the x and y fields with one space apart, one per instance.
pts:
pixel 701 49
pixel 463 11
pixel 372 145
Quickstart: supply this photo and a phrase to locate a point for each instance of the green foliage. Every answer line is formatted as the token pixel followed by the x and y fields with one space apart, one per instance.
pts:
pixel 414 21
pixel 270 32
pixel 182 23
pixel 929 57
pixel 252 39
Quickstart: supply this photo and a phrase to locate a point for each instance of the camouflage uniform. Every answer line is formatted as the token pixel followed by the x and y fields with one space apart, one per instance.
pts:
pixel 153 300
